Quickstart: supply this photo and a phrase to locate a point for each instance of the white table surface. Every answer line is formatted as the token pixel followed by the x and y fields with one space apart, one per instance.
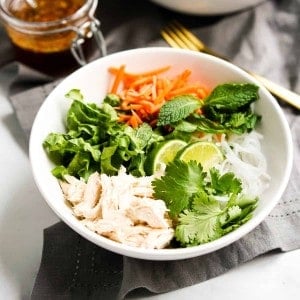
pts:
pixel 24 215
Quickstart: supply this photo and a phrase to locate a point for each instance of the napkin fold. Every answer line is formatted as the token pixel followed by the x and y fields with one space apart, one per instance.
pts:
pixel 264 39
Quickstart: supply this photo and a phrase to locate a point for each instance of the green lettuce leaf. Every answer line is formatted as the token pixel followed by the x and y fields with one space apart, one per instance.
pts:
pixel 96 141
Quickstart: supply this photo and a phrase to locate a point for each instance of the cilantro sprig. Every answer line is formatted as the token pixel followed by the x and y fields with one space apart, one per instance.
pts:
pixel 191 196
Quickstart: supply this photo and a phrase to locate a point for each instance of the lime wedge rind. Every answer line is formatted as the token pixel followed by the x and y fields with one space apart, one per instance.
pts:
pixel 206 153
pixel 162 154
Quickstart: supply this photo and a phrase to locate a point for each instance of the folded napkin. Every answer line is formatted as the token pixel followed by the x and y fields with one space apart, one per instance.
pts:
pixel 72 267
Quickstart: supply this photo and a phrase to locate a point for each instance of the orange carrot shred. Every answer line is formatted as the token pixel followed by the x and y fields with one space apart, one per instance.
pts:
pixel 143 94
pixel 118 79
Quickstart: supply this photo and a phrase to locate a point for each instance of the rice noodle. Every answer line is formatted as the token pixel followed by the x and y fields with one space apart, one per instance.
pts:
pixel 245 159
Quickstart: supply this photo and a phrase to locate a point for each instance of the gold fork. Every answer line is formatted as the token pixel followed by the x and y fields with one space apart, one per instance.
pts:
pixel 177 36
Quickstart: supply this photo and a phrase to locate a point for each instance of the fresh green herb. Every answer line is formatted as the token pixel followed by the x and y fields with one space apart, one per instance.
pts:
pixel 224 184
pixel 231 97
pixel 226 110
pixel 177 109
pixel 180 182
pixel 208 220
pixel 191 197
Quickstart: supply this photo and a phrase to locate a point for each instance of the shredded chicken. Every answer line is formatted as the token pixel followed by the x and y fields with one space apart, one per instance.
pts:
pixel 121 208
pixel 73 189
pixel 90 207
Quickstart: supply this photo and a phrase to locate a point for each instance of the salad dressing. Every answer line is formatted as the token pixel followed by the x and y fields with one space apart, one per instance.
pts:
pixel 41 39
pixel 43 32
pixel 43 10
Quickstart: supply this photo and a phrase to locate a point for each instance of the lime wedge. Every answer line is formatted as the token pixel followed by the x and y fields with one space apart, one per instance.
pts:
pixel 163 153
pixel 205 153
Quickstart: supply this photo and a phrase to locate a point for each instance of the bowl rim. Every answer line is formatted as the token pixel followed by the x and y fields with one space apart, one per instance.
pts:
pixel 209 9
pixel 164 254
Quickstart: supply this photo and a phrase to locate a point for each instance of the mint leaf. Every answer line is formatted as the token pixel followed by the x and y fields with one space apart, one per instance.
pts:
pixel 231 97
pixel 203 124
pixel 177 109
pixel 229 105
pixel 226 110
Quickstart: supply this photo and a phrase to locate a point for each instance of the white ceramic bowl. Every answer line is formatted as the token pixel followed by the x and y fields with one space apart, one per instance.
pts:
pixel 207 7
pixel 93 81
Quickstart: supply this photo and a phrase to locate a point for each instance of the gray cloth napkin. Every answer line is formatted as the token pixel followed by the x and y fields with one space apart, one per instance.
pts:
pixel 264 39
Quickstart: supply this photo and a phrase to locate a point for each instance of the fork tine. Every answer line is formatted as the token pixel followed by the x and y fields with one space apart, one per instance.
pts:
pixel 188 36
pixel 177 36
pixel 182 37
pixel 172 39
pixel 193 39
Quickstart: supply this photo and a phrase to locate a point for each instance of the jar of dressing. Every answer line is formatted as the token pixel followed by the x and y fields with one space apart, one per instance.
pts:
pixel 49 28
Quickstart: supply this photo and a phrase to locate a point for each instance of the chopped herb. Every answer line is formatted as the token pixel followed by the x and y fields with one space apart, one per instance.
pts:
pixel 190 195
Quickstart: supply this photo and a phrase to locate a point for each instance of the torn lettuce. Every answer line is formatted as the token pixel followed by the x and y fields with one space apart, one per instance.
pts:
pixel 96 141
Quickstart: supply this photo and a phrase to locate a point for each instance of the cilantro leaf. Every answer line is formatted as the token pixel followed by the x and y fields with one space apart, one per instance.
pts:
pixel 191 197
pixel 234 216
pixel 224 184
pixel 206 220
pixel 195 229
pixel 180 182
pixel 199 225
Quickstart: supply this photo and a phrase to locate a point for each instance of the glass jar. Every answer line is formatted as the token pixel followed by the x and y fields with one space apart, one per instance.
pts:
pixel 52 27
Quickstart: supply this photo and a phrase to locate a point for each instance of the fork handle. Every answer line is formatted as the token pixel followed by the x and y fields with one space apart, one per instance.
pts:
pixel 276 89
pixel 279 91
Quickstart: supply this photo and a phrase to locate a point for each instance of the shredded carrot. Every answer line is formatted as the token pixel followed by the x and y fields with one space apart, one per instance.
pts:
pixel 143 74
pixel 143 94
pixel 188 89
pixel 118 79
pixel 218 137
pixel 134 120
pixel 141 81
pixel 123 117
